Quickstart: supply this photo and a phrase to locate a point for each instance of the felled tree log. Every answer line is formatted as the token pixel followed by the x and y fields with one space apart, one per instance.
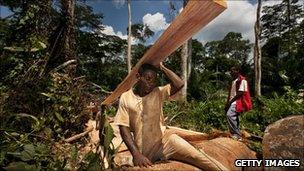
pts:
pixel 284 139
pixel 224 150
pixel 124 160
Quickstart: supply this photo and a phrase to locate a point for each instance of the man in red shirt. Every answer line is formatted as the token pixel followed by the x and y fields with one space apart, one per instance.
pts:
pixel 238 101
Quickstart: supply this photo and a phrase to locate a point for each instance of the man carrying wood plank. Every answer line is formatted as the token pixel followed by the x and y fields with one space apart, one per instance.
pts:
pixel 140 111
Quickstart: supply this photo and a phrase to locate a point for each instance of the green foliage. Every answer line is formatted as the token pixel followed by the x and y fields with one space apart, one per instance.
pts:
pixel 282 52
pixel 91 162
pixel 280 18
pixel 98 55
pixel 141 32
pixel 86 18
pixel 208 114
pixel 204 85
pixel 65 104
pixel 37 105
pixel 18 152
pixel 138 52
pixel 222 55
pixel 269 110
pixel 201 116
pixel 106 136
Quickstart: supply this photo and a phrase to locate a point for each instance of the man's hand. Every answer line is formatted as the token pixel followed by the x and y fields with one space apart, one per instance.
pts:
pixel 160 66
pixel 138 158
pixel 176 82
pixel 141 160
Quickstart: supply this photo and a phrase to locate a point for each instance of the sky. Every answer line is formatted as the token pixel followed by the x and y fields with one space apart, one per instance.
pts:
pixel 240 17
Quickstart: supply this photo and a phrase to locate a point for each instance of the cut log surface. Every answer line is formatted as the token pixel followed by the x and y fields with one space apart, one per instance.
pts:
pixel 126 159
pixel 224 150
pixel 284 139
pixel 193 18
pixel 216 145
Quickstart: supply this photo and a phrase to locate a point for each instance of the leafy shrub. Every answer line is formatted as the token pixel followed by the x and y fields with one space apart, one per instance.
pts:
pixel 201 116
pixel 208 114
pixel 205 115
pixel 269 110
pixel 41 109
pixel 18 152
pixel 65 103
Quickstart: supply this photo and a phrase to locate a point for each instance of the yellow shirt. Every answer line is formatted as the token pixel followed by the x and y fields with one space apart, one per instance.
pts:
pixel 144 116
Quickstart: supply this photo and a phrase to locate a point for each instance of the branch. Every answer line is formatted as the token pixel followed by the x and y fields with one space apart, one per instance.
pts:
pixel 256 137
pixel 77 136
pixel 51 54
pixel 64 65
pixel 102 90
pixel 77 78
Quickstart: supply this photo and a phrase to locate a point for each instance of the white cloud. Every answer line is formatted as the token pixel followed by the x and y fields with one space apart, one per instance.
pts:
pixel 119 34
pixel 240 16
pixel 156 22
pixel 108 30
pixel 118 3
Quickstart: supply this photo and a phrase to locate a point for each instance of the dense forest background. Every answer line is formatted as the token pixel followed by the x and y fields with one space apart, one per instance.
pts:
pixel 54 61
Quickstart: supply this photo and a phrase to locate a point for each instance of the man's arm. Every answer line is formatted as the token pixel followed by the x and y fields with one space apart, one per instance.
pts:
pixel 138 159
pixel 237 96
pixel 229 93
pixel 176 82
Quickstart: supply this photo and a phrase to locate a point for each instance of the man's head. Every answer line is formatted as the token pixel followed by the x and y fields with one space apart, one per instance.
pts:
pixel 147 75
pixel 235 71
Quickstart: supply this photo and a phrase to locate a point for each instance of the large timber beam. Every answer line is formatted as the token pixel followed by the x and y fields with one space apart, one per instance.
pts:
pixel 196 15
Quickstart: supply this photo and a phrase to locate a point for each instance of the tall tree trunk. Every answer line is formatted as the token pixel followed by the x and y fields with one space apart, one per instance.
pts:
pixel 185 65
pixel 68 36
pixel 184 76
pixel 129 38
pixel 189 58
pixel 289 27
pixel 257 52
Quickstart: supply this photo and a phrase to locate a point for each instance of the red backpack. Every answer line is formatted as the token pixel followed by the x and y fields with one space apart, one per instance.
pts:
pixel 244 103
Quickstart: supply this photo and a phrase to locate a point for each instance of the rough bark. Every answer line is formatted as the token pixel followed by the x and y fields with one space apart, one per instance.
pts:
pixel 184 57
pixel 284 139
pixel 189 58
pixel 257 52
pixel 68 11
pixel 185 64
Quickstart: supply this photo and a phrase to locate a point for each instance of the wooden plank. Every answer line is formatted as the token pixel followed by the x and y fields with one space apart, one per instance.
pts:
pixel 193 18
